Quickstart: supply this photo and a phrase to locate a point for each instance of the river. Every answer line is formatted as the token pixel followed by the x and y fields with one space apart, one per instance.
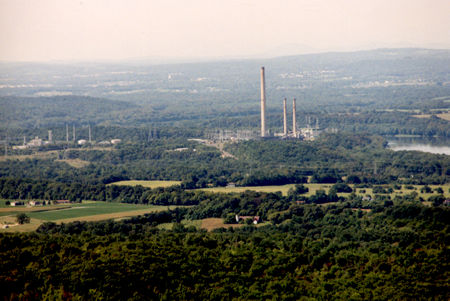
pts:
pixel 423 144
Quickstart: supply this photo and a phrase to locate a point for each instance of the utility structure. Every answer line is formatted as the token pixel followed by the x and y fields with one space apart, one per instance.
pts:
pixel 263 103
pixel 67 133
pixel 285 130
pixel 294 121
pixel 73 129
pixel 90 140
pixel 6 146
pixel 50 136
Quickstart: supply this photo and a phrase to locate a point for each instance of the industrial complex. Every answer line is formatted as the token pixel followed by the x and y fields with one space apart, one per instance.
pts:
pixel 308 132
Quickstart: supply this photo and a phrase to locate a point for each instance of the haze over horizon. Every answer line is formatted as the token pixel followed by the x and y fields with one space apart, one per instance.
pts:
pixel 67 30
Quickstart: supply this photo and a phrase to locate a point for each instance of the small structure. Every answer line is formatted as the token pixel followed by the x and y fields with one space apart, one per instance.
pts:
pixel 59 202
pixel 255 219
pixel 17 203
pixel 35 203
pixel 116 141
pixel 367 198
pixel 35 142
pixel 82 142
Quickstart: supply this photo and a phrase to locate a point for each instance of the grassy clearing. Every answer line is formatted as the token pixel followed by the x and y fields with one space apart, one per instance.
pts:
pixel 313 187
pixel 115 215
pixel 8 210
pixel 76 163
pixel 3 203
pixel 148 184
pixel 36 155
pixel 53 154
pixel 14 227
pixel 281 188
pixel 77 211
pixel 187 223
pixel 86 211
pixel 404 191
pixel 208 224
pixel 215 223
pixel 445 116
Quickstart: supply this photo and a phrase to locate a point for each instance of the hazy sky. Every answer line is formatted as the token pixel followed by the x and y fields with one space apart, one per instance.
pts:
pixel 36 30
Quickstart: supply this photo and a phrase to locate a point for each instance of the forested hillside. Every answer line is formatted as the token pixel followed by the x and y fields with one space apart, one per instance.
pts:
pixel 256 162
pixel 333 252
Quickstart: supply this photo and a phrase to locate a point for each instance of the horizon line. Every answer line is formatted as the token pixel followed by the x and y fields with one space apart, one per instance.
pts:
pixel 161 60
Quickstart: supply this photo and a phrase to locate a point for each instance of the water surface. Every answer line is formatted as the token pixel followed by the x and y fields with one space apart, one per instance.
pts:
pixel 429 145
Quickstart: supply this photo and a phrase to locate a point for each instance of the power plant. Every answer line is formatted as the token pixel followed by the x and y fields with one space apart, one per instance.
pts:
pixel 307 133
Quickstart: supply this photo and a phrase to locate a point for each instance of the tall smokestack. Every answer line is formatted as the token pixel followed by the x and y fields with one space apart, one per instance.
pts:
pixel 67 133
pixel 73 133
pixel 90 134
pixel 294 121
pixel 50 138
pixel 263 103
pixel 284 118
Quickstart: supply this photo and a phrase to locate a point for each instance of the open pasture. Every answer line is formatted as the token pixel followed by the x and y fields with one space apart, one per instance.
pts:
pixel 313 187
pixel 86 211
pixel 270 189
pixel 208 224
pixel 83 210
pixel 445 116
pixel 147 184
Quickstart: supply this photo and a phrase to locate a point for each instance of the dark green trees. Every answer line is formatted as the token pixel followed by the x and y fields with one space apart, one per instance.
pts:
pixel 22 218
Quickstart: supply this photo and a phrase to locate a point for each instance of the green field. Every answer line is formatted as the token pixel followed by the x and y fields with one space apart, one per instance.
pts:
pixel 86 211
pixel 3 203
pixel 90 209
pixel 187 223
pixel 313 187
pixel 282 188
pixel 148 184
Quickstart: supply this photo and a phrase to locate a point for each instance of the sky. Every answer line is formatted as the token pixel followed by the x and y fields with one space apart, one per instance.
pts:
pixel 86 30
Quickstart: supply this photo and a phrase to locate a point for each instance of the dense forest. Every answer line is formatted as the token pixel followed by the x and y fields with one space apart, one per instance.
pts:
pixel 393 252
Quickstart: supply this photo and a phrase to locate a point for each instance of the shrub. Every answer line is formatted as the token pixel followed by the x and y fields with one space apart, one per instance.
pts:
pixel 22 218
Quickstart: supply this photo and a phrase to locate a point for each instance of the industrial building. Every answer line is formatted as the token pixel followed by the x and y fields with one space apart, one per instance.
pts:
pixel 306 133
